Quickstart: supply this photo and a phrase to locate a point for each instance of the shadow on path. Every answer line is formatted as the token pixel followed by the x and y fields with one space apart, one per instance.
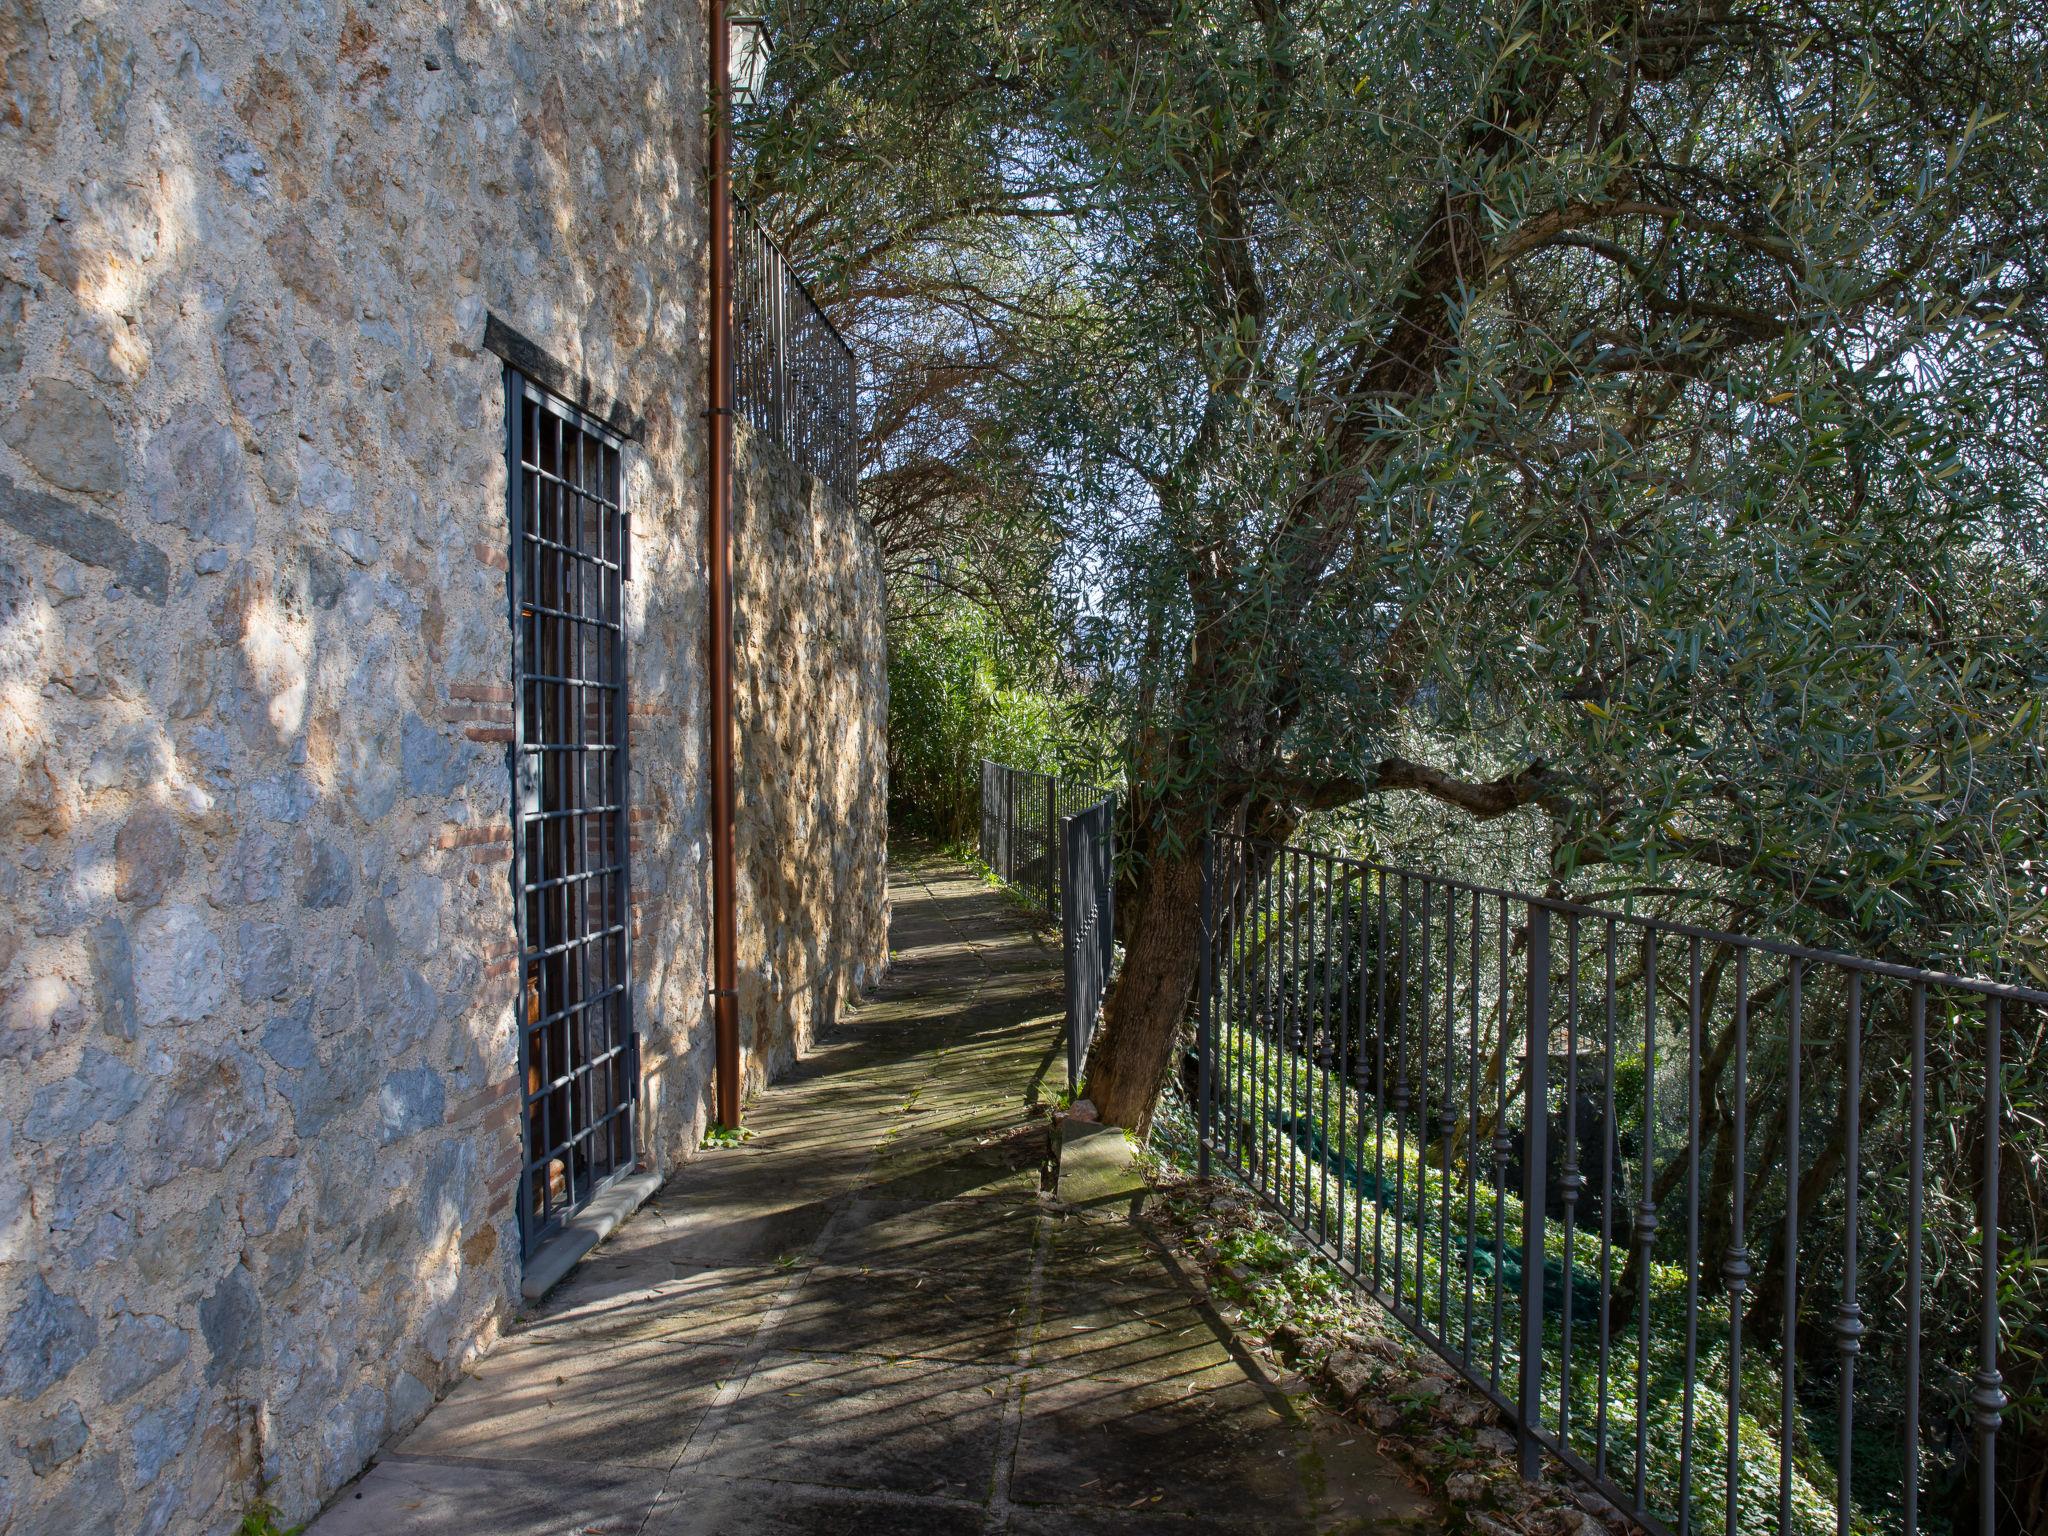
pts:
pixel 868 1319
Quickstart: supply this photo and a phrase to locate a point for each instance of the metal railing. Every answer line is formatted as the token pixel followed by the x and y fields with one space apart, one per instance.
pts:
pixel 1712 1219
pixel 1087 922
pixel 1021 812
pixel 1057 839
pixel 793 373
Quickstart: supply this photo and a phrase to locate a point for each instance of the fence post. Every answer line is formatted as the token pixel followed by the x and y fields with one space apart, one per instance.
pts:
pixel 1052 863
pixel 1536 1159
pixel 984 832
pixel 1109 885
pixel 1009 825
pixel 1205 1029
pixel 1072 958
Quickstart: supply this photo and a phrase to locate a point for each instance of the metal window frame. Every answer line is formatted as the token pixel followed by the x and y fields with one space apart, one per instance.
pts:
pixel 541 1219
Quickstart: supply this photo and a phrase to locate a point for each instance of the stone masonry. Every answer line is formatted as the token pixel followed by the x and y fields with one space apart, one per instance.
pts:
pixel 259 1128
pixel 812 719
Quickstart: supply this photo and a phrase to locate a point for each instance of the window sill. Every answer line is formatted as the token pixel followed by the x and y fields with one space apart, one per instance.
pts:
pixel 584 1231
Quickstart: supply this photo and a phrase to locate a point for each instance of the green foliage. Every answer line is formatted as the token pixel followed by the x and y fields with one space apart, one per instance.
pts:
pixel 957 694
pixel 1273 1277
pixel 262 1520
pixel 726 1136
pixel 1621 426
pixel 1524 384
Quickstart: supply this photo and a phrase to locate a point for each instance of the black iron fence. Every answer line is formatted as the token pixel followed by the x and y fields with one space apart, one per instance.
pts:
pixel 1712 1219
pixel 1087 922
pixel 793 374
pixel 1021 812
pixel 1057 839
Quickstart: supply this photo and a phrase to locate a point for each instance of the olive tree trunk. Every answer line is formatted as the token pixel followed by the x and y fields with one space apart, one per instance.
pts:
pixel 1129 1063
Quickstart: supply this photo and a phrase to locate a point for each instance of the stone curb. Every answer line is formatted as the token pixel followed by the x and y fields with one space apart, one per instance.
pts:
pixel 1098 1171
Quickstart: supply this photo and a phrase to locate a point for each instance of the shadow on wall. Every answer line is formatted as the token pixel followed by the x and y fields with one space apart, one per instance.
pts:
pixel 812 678
pixel 257 1125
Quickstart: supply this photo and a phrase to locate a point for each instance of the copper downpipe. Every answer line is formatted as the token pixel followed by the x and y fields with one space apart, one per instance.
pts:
pixel 724 923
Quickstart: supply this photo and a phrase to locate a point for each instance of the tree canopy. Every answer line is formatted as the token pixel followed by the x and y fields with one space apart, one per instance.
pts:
pixel 1620 414
pixel 1616 423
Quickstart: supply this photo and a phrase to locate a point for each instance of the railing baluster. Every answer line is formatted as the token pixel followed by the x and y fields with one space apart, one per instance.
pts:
pixel 1788 1405
pixel 1319 1054
pixel 1052 879
pixel 1535 1097
pixel 1356 1071
pixel 1422 1014
pixel 1379 1088
pixel 1570 1180
pixel 1447 1115
pixel 1608 1176
pixel 1987 1390
pixel 1848 1314
pixel 1401 1101
pixel 1503 1138
pixel 1269 1034
pixel 1205 1045
pixel 1735 1270
pixel 1916 1169
pixel 1290 1047
pixel 1646 1223
pixel 1692 1234
pixel 1471 1125
pixel 1340 1069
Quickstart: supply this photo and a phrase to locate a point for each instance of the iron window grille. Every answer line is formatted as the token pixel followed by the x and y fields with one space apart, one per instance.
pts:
pixel 571 774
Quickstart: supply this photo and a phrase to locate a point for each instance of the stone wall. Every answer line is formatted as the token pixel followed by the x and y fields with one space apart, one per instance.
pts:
pixel 258 1112
pixel 811 667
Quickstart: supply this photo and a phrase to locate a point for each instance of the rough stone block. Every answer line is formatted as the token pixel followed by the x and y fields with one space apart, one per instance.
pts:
pixel 198 480
pixel 252 873
pixel 46 1338
pixel 329 877
pixel 104 1088
pixel 81 1182
pixel 157 1436
pixel 113 975
pixel 264 967
pixel 180 970
pixel 139 1350
pixel 214 1103
pixel 350 1436
pixel 410 1400
pixel 87 537
pixel 229 1320
pixel 433 761
pixel 271 1184
pixel 68 438
pixel 149 854
pixel 53 1440
pixel 319 1086
pixel 411 1101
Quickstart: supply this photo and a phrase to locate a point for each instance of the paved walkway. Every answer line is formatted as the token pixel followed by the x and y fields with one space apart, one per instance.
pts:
pixel 868 1320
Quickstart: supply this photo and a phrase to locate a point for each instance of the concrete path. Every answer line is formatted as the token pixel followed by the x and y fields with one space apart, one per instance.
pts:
pixel 869 1320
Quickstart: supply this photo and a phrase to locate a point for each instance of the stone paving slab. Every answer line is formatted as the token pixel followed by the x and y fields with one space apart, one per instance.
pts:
pixel 911 1426
pixel 701 1305
pixel 871 1319
pixel 724 1506
pixel 564 1398
pixel 398 1494
pixel 1221 1447
pixel 889 1312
